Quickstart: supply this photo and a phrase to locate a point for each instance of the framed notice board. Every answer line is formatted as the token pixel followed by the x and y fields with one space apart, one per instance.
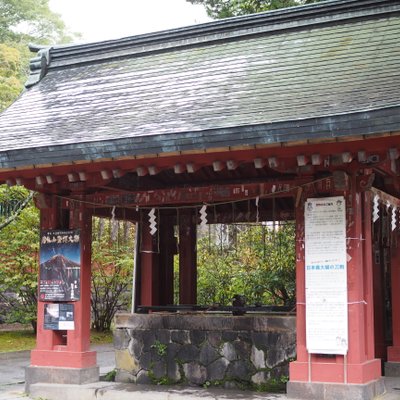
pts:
pixel 326 275
pixel 59 317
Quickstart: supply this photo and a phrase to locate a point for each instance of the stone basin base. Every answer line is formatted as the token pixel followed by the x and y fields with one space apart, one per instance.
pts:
pixel 250 351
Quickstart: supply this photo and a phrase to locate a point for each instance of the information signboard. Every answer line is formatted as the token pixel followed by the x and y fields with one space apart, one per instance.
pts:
pixel 59 277
pixel 326 275
pixel 59 316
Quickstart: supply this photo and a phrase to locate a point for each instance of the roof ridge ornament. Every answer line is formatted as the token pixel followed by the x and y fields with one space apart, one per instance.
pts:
pixel 38 65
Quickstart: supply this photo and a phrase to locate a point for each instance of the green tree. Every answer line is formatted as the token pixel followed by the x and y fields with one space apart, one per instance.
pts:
pixel 258 262
pixel 270 254
pixel 231 8
pixel 22 22
pixel 112 266
pixel 10 75
pixel 19 254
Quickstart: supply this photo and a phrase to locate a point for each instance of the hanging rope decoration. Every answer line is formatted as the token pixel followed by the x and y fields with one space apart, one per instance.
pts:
pixel 203 216
pixel 100 229
pixel 389 205
pixel 394 219
pixel 153 222
pixel 114 226
pixel 257 209
pixel 375 210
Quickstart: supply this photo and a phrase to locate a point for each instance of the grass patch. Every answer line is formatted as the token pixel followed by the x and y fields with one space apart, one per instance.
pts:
pixel 101 337
pixel 17 340
pixel 26 340
pixel 110 376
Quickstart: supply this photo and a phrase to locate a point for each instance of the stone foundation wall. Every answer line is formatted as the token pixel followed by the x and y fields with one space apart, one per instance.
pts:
pixel 250 351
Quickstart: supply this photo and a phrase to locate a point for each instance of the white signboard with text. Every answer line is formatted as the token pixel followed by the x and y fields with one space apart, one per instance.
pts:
pixel 326 276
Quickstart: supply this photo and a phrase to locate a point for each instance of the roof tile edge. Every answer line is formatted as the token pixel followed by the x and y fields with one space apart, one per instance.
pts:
pixel 63 56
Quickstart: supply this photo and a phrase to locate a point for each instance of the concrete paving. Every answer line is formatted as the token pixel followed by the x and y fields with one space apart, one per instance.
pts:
pixel 12 370
pixel 13 392
pixel 392 389
pixel 12 376
pixel 121 391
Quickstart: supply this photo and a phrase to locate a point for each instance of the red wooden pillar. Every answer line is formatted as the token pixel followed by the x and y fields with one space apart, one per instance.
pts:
pixel 362 366
pixel 392 367
pixel 187 257
pixel 368 274
pixel 149 266
pixel 65 356
pixel 167 252
pixel 46 340
pixel 299 370
pixel 78 340
pixel 358 374
pixel 379 298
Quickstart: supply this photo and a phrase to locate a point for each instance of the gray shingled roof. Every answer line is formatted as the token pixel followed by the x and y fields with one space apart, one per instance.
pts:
pixel 325 70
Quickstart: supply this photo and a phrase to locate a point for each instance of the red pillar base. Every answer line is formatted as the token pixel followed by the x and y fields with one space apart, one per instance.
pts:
pixel 328 391
pixel 71 376
pixel 335 372
pixel 63 358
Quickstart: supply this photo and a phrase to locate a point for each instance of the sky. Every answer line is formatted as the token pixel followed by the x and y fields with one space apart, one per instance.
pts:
pixel 98 20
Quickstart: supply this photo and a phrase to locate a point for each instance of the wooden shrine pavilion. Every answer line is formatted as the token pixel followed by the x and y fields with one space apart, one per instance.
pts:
pixel 289 115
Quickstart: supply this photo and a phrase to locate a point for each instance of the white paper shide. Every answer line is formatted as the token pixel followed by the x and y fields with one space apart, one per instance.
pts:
pixel 326 275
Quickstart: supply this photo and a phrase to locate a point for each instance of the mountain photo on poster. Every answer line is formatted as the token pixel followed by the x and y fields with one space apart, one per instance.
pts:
pixel 59 266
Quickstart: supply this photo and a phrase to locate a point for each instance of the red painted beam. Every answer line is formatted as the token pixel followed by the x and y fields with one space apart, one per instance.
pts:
pixel 198 195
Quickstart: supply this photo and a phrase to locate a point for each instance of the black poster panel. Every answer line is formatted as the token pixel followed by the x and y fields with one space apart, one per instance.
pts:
pixel 60 265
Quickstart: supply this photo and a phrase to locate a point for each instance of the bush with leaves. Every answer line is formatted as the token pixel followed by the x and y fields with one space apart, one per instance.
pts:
pixel 258 262
pixel 19 254
pixel 112 265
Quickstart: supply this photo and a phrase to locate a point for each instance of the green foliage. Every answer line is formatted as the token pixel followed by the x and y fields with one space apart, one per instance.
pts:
pixel 160 348
pixel 230 8
pixel 19 254
pixel 258 262
pixel 27 20
pixel 17 340
pixel 112 265
pixel 10 75
pixel 273 385
pixel 12 193
pixel 22 22
pixel 101 337
pixel 162 381
pixel 110 376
